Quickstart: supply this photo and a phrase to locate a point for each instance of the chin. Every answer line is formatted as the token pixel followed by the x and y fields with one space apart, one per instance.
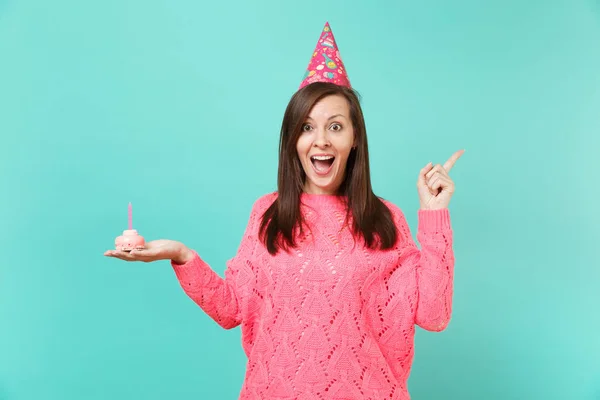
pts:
pixel 318 185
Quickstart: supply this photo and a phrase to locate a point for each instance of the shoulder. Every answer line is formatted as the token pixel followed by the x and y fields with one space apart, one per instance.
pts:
pixel 263 202
pixel 397 213
pixel 400 222
pixel 259 207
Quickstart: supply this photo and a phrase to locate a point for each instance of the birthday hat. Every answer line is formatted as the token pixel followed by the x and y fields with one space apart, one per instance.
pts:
pixel 326 64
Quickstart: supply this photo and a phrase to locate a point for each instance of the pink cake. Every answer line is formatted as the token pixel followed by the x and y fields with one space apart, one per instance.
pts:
pixel 129 240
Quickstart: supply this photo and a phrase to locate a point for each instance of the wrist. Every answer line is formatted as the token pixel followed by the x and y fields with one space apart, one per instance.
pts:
pixel 183 255
pixel 432 207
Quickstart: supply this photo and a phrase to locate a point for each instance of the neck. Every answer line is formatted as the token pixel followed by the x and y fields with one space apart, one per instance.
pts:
pixel 313 199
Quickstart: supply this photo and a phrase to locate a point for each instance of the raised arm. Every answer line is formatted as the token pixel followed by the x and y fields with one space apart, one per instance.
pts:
pixel 432 265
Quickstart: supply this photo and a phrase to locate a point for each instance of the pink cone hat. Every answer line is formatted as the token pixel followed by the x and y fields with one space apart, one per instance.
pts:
pixel 326 64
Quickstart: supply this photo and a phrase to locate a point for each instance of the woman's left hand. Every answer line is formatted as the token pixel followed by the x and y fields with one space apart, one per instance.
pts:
pixel 434 184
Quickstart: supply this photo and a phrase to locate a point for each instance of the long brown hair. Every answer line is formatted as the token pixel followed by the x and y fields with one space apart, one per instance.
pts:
pixel 372 220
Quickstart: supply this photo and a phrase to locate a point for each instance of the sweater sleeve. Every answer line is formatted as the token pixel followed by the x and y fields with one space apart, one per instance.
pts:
pixel 222 299
pixel 432 266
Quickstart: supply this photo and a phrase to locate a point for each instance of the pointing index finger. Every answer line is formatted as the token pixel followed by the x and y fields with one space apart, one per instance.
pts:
pixel 450 163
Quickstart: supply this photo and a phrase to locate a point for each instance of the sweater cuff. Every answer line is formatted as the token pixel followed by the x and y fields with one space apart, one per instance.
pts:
pixel 434 220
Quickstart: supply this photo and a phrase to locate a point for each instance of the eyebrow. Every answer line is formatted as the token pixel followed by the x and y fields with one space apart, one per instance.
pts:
pixel 332 117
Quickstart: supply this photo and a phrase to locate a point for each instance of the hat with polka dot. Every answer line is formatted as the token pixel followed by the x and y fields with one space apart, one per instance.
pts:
pixel 326 64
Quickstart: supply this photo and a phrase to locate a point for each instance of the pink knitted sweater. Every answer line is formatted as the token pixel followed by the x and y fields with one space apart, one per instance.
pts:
pixel 331 319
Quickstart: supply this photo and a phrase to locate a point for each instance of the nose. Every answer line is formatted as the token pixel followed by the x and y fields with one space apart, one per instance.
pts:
pixel 322 138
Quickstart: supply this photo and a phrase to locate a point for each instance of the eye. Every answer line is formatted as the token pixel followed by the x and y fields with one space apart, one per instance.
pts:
pixel 336 127
pixel 306 128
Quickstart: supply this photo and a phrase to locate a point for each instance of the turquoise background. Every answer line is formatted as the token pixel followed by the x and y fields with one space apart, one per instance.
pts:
pixel 176 106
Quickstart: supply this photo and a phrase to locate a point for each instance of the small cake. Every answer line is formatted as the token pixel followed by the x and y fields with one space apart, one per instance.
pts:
pixel 129 240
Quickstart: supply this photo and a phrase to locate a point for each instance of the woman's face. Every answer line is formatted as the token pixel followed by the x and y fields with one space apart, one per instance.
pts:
pixel 324 145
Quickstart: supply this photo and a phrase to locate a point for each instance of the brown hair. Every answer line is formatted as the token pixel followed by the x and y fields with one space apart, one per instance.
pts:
pixel 372 220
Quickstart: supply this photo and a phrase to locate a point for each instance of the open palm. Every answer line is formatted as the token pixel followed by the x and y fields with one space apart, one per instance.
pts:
pixel 155 250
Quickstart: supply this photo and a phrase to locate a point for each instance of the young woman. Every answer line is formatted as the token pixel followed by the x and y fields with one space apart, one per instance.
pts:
pixel 328 284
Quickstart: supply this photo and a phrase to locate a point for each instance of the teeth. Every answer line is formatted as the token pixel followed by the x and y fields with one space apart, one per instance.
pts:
pixel 322 158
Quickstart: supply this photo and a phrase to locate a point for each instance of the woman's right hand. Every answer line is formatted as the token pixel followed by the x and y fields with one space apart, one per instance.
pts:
pixel 156 250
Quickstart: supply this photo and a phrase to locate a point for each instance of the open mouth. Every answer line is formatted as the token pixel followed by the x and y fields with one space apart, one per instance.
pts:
pixel 322 164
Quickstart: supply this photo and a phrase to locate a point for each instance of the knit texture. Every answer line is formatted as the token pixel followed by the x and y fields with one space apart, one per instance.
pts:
pixel 330 319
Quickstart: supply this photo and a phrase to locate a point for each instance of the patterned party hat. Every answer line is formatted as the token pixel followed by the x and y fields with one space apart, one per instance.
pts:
pixel 326 64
